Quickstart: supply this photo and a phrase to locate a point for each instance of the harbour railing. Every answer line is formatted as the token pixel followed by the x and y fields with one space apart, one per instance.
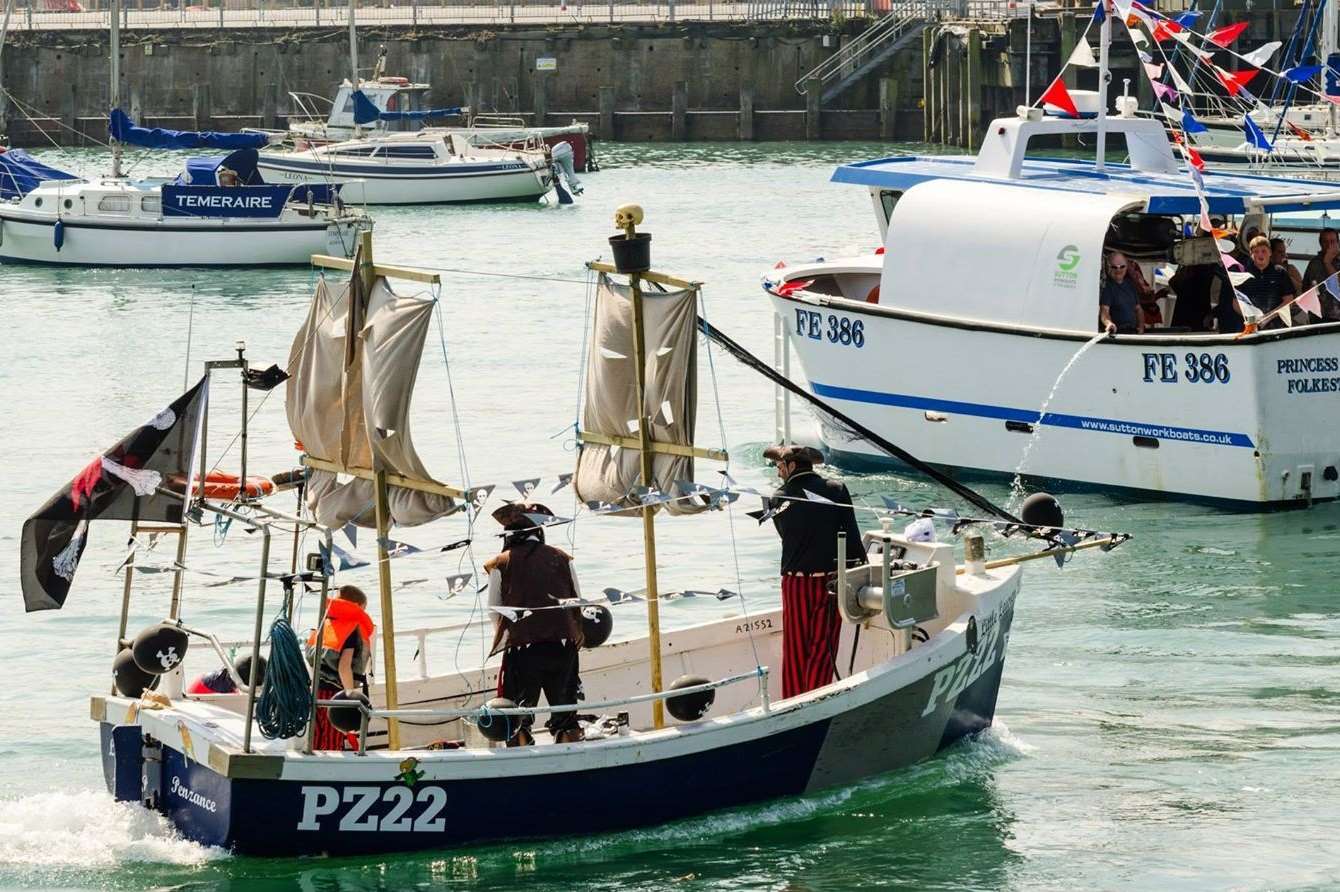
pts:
pixel 92 15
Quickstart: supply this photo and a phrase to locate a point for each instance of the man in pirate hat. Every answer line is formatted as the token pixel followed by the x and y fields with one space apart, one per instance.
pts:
pixel 538 636
pixel 809 511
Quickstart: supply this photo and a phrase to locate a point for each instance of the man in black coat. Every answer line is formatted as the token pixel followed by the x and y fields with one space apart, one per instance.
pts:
pixel 809 511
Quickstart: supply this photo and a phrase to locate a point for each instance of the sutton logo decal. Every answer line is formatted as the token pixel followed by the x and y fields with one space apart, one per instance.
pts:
pixel 1067 259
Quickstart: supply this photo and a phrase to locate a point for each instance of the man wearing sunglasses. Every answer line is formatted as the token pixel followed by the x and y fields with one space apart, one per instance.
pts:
pixel 1119 302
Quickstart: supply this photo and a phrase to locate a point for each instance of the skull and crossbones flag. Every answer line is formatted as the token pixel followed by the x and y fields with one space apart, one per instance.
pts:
pixel 143 478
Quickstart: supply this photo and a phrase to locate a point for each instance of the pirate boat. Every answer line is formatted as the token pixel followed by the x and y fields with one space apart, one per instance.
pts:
pixel 429 768
pixel 959 361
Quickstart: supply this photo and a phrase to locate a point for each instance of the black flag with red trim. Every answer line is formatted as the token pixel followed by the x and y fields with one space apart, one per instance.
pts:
pixel 143 478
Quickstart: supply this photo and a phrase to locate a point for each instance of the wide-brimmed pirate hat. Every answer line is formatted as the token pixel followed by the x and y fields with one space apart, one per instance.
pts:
pixel 516 513
pixel 785 452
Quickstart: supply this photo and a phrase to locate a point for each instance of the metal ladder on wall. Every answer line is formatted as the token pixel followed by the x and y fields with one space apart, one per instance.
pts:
pixel 902 24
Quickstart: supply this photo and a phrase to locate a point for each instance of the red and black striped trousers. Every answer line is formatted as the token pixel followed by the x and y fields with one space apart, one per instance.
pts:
pixel 810 626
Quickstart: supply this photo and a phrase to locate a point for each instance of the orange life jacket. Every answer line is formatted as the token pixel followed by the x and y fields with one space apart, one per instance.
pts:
pixel 342 617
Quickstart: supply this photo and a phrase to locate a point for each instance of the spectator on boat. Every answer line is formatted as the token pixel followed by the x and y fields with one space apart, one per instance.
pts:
pixel 1197 286
pixel 1150 311
pixel 539 638
pixel 1324 264
pixel 346 636
pixel 1269 285
pixel 809 511
pixel 1119 302
pixel 1279 255
pixel 1242 252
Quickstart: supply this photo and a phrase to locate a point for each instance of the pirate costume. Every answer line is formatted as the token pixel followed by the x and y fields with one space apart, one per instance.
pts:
pixel 538 638
pixel 809 511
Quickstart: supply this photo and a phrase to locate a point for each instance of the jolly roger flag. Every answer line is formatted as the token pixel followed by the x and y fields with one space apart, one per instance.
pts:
pixel 121 484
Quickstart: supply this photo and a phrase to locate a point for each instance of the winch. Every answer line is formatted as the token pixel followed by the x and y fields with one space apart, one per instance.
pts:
pixel 903 590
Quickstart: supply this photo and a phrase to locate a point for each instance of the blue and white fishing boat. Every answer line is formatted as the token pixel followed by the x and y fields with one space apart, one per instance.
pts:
pixel 429 767
pixel 951 338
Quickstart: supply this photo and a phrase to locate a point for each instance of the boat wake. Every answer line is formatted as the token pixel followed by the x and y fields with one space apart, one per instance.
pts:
pixel 57 831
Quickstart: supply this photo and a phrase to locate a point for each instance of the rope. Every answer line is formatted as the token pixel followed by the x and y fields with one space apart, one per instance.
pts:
pixel 852 426
pixel 285 704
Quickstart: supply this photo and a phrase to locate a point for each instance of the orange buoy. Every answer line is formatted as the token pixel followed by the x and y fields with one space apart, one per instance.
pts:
pixel 221 485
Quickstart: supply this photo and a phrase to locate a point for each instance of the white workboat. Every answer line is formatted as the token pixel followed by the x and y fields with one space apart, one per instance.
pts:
pixel 428 167
pixel 950 341
pixel 188 221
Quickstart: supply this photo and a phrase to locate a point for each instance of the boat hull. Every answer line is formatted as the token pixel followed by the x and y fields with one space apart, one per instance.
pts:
pixel 886 718
pixel 1235 420
pixel 445 184
pixel 26 239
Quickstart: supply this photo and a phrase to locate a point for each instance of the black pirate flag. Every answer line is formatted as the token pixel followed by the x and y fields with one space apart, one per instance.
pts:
pixel 144 478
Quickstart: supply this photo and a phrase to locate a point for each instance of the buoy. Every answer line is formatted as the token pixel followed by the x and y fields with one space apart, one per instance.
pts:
pixel 159 648
pixel 498 727
pixel 348 718
pixel 221 485
pixel 690 707
pixel 1042 510
pixel 130 679
pixel 597 624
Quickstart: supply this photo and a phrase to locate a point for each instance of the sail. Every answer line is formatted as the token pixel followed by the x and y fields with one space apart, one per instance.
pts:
pixel 354 363
pixel 122 129
pixel 142 478
pixel 366 111
pixel 610 473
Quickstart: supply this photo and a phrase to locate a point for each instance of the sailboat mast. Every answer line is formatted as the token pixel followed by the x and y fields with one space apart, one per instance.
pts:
pixel 1104 77
pixel 114 49
pixel 1328 39
pixel 648 511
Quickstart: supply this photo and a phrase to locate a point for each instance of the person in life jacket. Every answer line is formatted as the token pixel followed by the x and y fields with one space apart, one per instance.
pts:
pixel 346 636
pixel 539 638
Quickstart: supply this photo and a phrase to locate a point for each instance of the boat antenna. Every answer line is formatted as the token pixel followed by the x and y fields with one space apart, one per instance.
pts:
pixel 1104 78
pixel 114 50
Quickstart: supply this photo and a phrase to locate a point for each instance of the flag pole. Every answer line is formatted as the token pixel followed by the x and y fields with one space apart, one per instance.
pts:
pixel 1104 77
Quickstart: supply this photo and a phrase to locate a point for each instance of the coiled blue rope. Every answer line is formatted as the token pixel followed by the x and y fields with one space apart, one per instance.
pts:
pixel 285 703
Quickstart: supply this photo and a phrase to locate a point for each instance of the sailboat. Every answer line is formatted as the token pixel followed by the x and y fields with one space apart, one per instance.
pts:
pixel 218 212
pixel 435 772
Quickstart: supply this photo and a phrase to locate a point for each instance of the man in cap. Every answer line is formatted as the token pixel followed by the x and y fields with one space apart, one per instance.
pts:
pixel 809 511
pixel 538 636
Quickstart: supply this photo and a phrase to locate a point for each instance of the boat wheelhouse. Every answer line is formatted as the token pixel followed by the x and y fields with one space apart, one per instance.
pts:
pixel 971 337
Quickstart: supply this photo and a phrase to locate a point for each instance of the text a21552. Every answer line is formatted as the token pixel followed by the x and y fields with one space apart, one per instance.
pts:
pixel 835 329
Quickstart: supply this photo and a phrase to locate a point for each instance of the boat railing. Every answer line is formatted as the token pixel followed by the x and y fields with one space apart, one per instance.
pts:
pixel 487 713
pixel 310 112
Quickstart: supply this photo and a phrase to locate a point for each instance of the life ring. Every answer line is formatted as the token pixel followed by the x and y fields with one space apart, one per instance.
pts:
pixel 221 485
pixel 873 296
pixel 397 81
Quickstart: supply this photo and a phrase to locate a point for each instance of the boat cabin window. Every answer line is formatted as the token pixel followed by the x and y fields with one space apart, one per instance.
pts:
pixel 355 151
pixel 419 152
pixel 151 204
pixel 888 199
pixel 114 204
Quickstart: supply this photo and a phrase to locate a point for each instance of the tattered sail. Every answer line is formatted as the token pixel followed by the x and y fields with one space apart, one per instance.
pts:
pixel 354 364
pixel 143 478
pixel 611 473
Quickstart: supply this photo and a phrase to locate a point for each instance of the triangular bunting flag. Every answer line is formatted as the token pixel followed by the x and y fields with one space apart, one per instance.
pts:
pixel 1227 34
pixel 563 480
pixel 1301 73
pixel 1250 311
pixel 1190 124
pixel 1234 81
pixel 1171 112
pixel 1082 55
pixel 1182 86
pixel 1261 55
pixel 1298 131
pixel 1098 14
pixel 526 487
pixel 1187 19
pixel 1154 71
pixel 1237 278
pixel 456 584
pixel 1311 301
pixel 1255 138
pixel 1057 95
pixel 1163 91
pixel 1333 285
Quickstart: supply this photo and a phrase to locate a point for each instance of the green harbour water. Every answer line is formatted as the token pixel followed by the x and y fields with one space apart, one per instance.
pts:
pixel 1169 716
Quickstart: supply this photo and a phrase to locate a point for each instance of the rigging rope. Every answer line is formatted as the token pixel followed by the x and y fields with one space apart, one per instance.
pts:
pixel 851 425
pixel 285 703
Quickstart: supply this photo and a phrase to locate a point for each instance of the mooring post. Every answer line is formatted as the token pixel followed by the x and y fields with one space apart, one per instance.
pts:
pixel 607 113
pixel 745 124
pixel 813 93
pixel 679 111
pixel 270 106
pixel 888 109
pixel 974 89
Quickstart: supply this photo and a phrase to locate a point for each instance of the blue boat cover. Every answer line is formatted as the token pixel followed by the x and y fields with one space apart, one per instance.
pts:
pixel 365 111
pixel 20 173
pixel 124 130
pixel 204 171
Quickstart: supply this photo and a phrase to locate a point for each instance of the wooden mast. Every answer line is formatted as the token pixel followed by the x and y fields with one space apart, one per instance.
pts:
pixel 367 271
pixel 648 449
